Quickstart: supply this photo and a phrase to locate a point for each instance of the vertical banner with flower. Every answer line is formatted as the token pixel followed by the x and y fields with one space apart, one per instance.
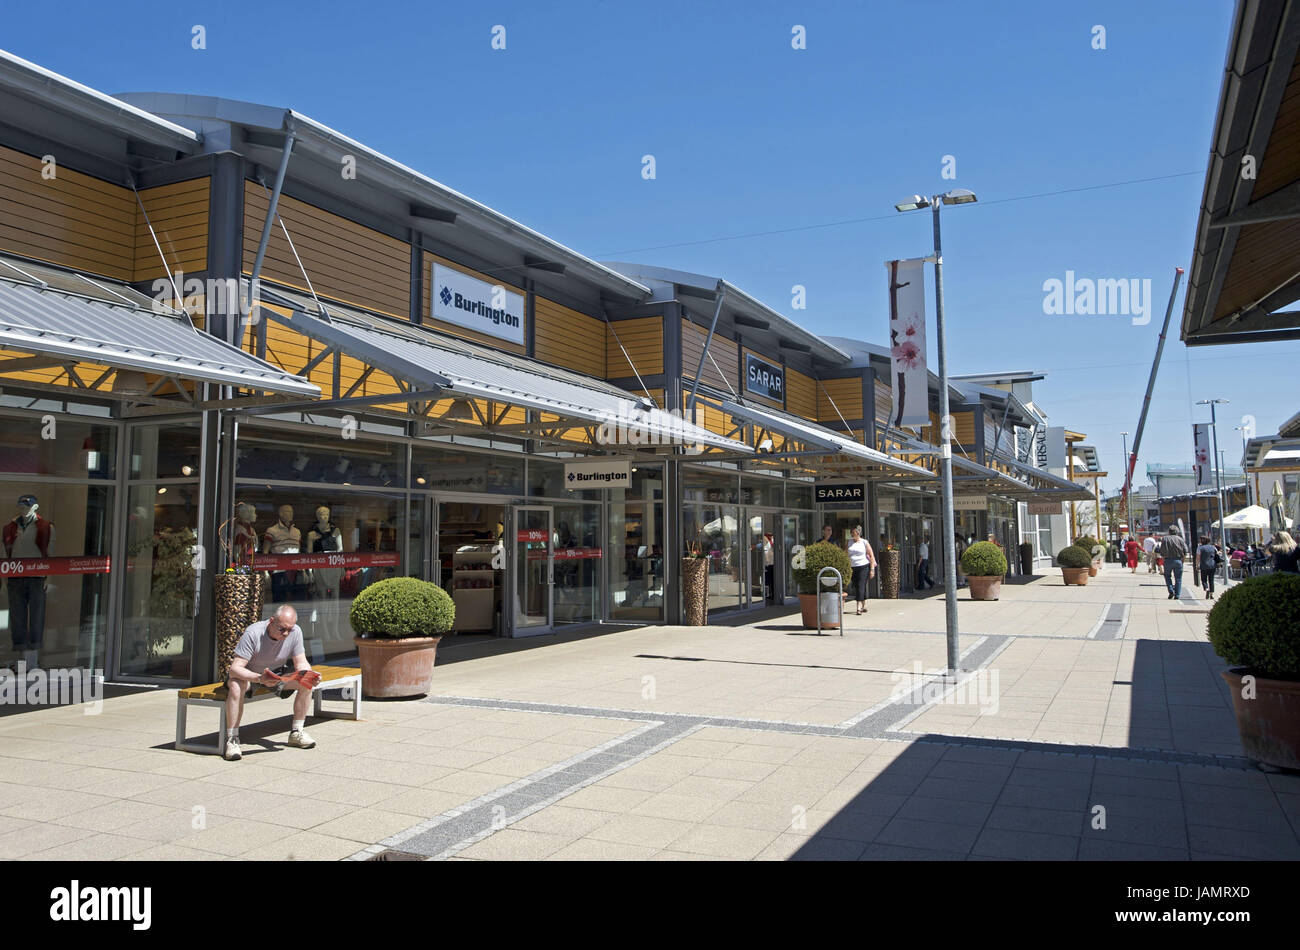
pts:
pixel 1201 449
pixel 907 343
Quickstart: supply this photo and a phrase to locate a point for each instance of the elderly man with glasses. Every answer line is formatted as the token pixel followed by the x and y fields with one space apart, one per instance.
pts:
pixel 268 646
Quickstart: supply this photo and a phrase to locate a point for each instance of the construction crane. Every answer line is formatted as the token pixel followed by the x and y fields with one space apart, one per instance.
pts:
pixel 1146 403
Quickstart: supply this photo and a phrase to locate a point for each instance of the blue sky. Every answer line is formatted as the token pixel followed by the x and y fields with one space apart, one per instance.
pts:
pixel 752 137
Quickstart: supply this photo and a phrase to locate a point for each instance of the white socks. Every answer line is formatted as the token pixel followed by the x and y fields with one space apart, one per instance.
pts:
pixel 233 733
pixel 297 725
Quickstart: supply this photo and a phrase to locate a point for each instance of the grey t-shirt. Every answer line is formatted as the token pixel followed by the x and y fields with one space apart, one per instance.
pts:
pixel 264 653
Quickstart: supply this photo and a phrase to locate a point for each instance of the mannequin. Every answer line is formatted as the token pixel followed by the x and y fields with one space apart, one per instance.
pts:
pixel 283 537
pixel 27 535
pixel 324 537
pixel 245 533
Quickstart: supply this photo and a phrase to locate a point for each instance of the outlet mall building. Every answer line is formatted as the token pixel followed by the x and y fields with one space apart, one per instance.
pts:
pixel 424 387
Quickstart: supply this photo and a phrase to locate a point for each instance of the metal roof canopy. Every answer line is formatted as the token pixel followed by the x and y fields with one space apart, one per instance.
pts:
pixel 1255 458
pixel 1244 268
pixel 817 440
pixel 760 317
pixel 1043 484
pixel 436 366
pixel 978 478
pixel 69 318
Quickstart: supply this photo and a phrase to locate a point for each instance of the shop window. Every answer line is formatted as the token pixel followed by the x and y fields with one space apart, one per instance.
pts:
pixel 452 471
pixel 717 487
pixel 578 552
pixel 54 599
pixel 759 491
pixel 276 455
pixel 165 452
pixel 57 445
pixel 159 581
pixel 636 560
pixel 715 529
pixel 798 495
pixel 318 549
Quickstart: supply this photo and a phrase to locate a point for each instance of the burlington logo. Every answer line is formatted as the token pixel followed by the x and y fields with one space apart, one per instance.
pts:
pixel 445 296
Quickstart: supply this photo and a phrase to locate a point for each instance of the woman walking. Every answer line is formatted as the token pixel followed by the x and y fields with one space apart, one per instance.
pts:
pixel 863 561
pixel 1131 551
pixel 1208 559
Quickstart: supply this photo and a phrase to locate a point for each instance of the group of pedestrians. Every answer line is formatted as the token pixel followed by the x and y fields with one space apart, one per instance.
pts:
pixel 1172 551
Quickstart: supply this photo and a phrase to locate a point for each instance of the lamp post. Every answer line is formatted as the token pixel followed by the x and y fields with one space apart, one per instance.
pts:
pixel 957 196
pixel 1128 495
pixel 1218 480
pixel 1245 476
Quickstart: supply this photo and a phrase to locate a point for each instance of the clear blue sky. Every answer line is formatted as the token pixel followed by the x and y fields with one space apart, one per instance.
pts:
pixel 751 136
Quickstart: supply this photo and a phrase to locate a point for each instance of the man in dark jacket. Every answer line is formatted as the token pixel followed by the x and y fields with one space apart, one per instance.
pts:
pixel 1173 549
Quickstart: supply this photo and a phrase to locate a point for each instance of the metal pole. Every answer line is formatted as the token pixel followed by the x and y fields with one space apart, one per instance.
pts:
pixel 695 383
pixel 1218 475
pixel 1132 528
pixel 267 226
pixel 945 456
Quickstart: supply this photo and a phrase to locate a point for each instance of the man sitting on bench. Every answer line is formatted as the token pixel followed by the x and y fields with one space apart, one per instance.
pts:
pixel 266 646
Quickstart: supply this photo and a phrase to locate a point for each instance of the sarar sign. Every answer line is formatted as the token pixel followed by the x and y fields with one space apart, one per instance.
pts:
pixel 764 379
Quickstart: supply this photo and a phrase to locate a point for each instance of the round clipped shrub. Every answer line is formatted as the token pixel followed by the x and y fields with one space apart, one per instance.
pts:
pixel 1256 625
pixel 815 557
pixel 1073 557
pixel 983 559
pixel 402 607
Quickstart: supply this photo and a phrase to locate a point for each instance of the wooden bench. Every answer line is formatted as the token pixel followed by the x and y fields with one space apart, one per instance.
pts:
pixel 214 694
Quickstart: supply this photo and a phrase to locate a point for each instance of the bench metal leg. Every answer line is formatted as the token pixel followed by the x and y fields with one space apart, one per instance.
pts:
pixel 186 745
pixel 353 686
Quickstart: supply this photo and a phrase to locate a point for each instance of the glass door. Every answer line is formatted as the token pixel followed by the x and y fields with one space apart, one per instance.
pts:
pixel 534 570
pixel 763 555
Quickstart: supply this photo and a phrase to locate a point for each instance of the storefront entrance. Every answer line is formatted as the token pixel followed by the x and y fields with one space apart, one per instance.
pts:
pixel 470 565
pixel 765 552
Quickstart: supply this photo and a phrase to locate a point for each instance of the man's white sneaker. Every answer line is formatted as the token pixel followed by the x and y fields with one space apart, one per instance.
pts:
pixel 232 753
pixel 300 740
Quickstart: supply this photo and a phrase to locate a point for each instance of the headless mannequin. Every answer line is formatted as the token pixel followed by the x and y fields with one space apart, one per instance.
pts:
pixel 324 537
pixel 27 535
pixel 283 537
pixel 245 535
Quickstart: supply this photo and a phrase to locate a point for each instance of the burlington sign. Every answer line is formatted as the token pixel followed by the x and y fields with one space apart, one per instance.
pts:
pixel 614 473
pixel 477 305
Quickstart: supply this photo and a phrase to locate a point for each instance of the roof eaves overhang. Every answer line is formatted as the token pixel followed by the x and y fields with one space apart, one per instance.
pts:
pixel 1260 62
pixel 55 91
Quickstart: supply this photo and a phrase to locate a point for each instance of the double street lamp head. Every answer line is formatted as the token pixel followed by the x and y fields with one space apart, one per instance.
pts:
pixel 958 196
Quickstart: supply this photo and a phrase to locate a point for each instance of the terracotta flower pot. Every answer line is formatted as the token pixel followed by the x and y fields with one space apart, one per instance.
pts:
pixel 394 667
pixel 1075 575
pixel 1093 568
pixel 808 613
pixel 695 591
pixel 1269 722
pixel 984 588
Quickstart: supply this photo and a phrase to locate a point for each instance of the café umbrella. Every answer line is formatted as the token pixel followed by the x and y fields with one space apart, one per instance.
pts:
pixel 1252 517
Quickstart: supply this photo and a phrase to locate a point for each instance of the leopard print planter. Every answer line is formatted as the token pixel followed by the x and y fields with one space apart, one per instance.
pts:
pixel 239 604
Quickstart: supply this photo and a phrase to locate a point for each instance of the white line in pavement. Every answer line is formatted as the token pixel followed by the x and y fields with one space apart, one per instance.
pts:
pixel 1096 628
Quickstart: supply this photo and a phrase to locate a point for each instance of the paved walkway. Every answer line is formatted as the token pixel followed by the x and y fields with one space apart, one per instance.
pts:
pixel 1092 723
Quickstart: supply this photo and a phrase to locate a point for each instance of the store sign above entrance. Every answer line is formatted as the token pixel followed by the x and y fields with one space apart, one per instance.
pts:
pixel 764 379
pixel 838 492
pixel 970 502
pixel 1044 507
pixel 614 473
pixel 476 304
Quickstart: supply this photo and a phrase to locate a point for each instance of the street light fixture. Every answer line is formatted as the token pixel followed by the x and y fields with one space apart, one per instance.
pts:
pixel 1250 496
pixel 1128 495
pixel 957 196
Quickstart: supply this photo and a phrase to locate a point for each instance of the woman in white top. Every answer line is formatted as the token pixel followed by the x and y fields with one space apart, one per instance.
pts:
pixel 863 561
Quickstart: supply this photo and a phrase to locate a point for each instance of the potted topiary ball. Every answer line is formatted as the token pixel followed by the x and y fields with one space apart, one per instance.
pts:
pixel 1095 550
pixel 1074 563
pixel 398 623
pixel 984 565
pixel 1255 626
pixel 814 558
